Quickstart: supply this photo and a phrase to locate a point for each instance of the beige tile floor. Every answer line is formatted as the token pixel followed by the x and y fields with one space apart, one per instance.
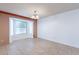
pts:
pixel 37 47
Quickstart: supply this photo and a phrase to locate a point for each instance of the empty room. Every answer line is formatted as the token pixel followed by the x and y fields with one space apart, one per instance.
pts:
pixel 39 28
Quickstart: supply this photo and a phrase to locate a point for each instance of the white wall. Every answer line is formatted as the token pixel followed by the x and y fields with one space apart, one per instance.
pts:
pixel 62 28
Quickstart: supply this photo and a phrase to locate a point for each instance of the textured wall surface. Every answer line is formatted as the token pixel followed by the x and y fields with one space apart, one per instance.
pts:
pixel 4 29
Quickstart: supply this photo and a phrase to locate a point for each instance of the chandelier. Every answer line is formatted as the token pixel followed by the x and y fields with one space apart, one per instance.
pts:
pixel 35 15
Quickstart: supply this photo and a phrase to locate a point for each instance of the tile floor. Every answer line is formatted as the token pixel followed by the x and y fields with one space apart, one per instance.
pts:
pixel 37 47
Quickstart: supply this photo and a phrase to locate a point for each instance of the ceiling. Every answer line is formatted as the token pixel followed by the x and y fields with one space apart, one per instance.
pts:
pixel 44 9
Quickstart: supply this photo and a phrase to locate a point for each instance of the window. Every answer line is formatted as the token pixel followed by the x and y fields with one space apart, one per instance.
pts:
pixel 20 29
pixel 20 26
pixel 17 26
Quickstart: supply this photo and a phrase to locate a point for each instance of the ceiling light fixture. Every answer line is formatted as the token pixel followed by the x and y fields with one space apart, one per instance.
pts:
pixel 35 15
